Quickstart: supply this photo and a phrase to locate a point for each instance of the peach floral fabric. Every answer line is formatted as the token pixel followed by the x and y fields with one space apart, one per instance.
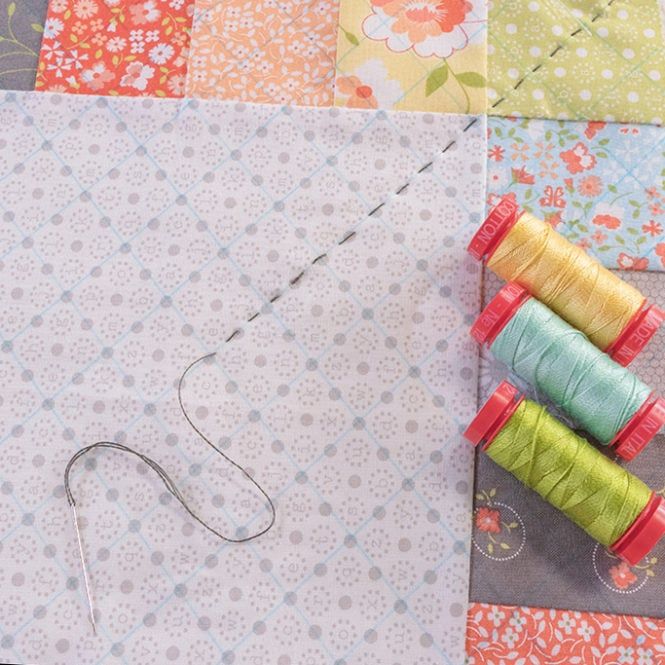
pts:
pixel 269 51
pixel 116 47
pixel 500 634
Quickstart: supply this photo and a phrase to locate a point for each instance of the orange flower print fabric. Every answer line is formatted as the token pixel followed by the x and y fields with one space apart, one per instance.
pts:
pixel 506 634
pixel 116 47
pixel 601 185
pixel 265 51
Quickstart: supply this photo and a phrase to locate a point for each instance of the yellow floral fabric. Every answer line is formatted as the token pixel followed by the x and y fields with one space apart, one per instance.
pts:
pixel 427 55
pixel 577 59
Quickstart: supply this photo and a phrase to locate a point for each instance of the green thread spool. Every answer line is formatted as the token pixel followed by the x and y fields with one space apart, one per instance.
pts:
pixel 611 504
pixel 600 395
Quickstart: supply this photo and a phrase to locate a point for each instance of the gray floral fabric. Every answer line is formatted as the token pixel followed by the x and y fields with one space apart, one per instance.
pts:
pixel 21 28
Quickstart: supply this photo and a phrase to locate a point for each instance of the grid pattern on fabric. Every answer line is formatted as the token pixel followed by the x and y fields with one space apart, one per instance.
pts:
pixel 93 357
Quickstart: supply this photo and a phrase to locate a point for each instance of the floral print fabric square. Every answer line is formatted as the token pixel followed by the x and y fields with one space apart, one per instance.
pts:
pixel 501 633
pixel 600 184
pixel 113 47
pixel 576 59
pixel 270 51
pixel 424 56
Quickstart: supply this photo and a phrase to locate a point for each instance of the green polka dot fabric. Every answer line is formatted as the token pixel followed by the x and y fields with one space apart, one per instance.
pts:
pixel 575 59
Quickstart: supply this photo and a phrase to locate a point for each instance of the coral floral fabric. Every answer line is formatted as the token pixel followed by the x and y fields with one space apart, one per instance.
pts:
pixel 498 634
pixel 601 185
pixel 266 51
pixel 116 47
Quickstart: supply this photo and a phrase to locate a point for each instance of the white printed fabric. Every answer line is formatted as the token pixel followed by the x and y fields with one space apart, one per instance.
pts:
pixel 138 235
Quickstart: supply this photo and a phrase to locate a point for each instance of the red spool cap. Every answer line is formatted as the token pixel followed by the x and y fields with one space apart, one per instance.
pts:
pixel 641 428
pixel 636 335
pixel 492 231
pixel 494 414
pixel 498 312
pixel 644 533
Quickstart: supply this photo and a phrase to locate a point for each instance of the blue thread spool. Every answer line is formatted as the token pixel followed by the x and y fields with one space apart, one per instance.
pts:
pixel 601 396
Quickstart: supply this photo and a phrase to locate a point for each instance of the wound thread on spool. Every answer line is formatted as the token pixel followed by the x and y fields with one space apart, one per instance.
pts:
pixel 520 247
pixel 611 504
pixel 601 396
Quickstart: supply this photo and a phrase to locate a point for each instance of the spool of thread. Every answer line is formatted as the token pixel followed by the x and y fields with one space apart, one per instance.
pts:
pixel 604 398
pixel 611 504
pixel 520 247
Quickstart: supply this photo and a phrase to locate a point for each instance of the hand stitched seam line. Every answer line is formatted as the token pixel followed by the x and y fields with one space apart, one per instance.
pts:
pixel 349 235
pixel 559 47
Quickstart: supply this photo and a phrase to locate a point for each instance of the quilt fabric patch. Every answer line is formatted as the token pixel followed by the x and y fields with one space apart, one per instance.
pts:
pixel 601 185
pixel 600 60
pixel 342 288
pixel 275 52
pixel 500 633
pixel 21 27
pixel 109 47
pixel 428 58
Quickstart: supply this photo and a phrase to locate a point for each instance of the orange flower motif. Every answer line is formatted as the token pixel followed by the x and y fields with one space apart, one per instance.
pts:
pixel 360 96
pixel 593 128
pixel 628 262
pixel 652 228
pixel 429 27
pixel 590 186
pixel 578 158
pixel 522 176
pixel 488 520
pixel 622 575
pixel 660 251
pixel 553 219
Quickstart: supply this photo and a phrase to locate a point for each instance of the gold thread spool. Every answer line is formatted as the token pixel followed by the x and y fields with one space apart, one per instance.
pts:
pixel 566 279
pixel 522 248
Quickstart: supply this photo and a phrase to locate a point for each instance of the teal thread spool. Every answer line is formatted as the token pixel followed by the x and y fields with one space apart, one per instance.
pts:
pixel 611 504
pixel 601 396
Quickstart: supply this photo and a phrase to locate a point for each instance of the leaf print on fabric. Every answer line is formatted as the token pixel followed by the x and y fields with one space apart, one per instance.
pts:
pixel 21 28
pixel 498 529
pixel 598 183
pixel 112 48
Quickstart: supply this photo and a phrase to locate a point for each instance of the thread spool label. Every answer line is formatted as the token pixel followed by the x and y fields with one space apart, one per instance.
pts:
pixel 639 432
pixel 498 222
pixel 636 336
pixel 498 312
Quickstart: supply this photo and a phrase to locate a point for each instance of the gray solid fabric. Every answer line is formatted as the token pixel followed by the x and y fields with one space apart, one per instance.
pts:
pixel 21 27
pixel 554 563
